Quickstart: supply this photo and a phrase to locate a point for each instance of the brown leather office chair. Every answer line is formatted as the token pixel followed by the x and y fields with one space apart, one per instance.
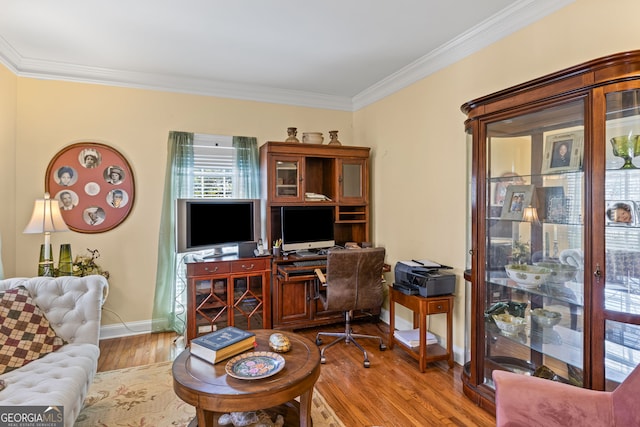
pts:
pixel 353 282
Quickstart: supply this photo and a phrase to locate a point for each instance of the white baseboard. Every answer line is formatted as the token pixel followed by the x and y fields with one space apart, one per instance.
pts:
pixel 118 330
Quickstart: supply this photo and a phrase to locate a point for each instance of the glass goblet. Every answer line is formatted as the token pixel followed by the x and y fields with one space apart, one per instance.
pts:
pixel 626 147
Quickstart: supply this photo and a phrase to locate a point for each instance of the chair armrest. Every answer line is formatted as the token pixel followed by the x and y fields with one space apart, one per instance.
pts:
pixel 321 276
pixel 527 401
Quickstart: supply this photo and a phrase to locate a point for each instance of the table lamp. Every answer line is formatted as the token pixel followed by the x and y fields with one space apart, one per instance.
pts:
pixel 530 214
pixel 46 218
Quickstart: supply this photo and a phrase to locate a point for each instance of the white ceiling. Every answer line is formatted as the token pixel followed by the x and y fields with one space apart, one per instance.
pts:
pixel 338 54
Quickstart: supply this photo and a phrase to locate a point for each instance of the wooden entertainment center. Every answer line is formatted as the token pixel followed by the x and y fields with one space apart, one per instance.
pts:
pixel 266 292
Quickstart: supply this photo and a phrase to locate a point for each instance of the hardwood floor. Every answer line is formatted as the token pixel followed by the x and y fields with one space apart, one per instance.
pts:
pixel 392 392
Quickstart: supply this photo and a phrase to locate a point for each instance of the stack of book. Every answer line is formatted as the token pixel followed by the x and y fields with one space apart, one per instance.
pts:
pixel 222 344
pixel 411 337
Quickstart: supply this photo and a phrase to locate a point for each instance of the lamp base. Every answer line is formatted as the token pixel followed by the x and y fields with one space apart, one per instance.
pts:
pixel 45 266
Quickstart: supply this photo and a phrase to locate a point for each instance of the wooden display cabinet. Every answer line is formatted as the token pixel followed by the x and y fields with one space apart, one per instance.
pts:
pixel 586 237
pixel 341 173
pixel 289 171
pixel 228 292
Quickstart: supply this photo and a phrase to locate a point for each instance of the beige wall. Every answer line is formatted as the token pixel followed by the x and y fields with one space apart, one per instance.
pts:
pixel 8 87
pixel 417 139
pixel 54 114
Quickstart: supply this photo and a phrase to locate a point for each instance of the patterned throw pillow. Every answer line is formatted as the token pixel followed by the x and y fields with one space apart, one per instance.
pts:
pixel 25 334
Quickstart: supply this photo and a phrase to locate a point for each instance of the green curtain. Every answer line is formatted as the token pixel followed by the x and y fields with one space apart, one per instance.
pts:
pixel 246 183
pixel 167 315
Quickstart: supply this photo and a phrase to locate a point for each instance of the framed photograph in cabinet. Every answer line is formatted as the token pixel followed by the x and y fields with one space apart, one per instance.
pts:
pixel 553 205
pixel 517 198
pixel 621 213
pixel 563 152
pixel 93 184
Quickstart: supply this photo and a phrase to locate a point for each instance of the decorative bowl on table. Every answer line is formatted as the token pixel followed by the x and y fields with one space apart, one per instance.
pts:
pixel 527 276
pixel 545 318
pixel 508 324
pixel 560 273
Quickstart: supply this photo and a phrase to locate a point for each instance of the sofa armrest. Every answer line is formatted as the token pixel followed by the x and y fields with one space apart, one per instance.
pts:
pixel 73 305
pixel 530 401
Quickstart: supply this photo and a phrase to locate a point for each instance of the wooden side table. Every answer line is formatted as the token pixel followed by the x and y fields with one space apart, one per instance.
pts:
pixel 213 392
pixel 423 307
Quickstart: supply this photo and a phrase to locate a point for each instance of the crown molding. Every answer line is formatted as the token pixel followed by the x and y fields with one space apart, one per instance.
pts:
pixel 509 20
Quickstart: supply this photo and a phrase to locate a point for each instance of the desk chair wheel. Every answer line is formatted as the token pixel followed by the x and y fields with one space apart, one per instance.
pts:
pixel 367 363
pixel 382 347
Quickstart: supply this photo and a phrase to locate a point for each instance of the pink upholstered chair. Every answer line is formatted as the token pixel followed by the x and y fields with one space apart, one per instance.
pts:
pixel 531 401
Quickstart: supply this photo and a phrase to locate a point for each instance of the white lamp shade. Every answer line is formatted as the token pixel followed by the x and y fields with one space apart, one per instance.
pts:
pixel 530 214
pixel 46 217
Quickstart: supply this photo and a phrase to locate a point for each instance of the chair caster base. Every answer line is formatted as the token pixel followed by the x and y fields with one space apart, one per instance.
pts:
pixel 367 364
pixel 323 360
pixel 382 347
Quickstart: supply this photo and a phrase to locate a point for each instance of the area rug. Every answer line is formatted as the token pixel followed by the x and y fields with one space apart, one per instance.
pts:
pixel 143 397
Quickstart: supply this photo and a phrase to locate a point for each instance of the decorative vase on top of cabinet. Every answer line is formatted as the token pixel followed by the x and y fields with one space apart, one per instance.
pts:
pixel 554 283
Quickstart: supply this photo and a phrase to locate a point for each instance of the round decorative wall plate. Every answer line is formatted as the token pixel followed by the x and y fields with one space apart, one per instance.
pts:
pixel 93 184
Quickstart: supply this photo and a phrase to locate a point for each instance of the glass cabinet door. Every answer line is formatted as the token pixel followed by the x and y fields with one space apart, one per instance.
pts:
pixel 533 224
pixel 352 180
pixel 212 311
pixel 287 178
pixel 248 306
pixel 622 235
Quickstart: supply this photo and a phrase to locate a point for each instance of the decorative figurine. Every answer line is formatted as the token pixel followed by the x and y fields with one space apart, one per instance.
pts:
pixel 333 134
pixel 292 132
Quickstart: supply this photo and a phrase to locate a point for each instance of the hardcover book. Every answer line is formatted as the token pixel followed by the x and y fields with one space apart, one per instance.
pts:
pixel 222 344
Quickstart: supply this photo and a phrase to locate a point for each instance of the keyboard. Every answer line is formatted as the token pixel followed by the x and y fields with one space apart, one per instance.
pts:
pixel 317 262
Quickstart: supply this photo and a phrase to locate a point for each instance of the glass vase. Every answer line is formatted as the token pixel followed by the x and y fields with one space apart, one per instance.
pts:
pixel 45 266
pixel 65 262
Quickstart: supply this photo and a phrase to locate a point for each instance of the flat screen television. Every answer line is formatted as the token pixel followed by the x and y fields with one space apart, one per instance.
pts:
pixel 307 227
pixel 216 224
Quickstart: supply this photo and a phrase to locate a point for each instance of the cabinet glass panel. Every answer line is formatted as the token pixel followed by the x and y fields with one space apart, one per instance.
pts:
pixel 247 302
pixel 287 178
pixel 352 180
pixel 211 305
pixel 534 229
pixel 622 232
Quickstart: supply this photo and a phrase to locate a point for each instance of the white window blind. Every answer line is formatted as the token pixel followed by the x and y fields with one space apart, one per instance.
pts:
pixel 213 166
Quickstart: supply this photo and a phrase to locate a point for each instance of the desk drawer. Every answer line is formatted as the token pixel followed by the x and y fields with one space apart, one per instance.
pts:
pixel 248 265
pixel 207 268
pixel 438 306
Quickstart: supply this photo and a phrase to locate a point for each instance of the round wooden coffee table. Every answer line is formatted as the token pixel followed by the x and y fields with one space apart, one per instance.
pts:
pixel 213 392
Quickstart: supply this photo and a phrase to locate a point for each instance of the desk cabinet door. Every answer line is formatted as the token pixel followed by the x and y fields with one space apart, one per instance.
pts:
pixel 291 302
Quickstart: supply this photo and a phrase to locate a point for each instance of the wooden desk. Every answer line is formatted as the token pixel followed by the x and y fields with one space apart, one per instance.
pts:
pixel 423 307
pixel 213 392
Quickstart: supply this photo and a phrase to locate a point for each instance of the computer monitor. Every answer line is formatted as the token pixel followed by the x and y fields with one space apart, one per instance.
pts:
pixel 307 227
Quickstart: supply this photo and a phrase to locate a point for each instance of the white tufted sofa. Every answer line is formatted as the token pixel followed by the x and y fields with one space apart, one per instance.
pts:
pixel 73 307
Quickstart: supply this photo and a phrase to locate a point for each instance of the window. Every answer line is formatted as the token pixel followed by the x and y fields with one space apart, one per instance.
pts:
pixel 213 166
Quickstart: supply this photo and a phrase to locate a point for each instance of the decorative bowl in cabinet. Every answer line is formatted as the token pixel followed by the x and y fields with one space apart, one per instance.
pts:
pixel 545 318
pixel 560 273
pixel 527 276
pixel 508 324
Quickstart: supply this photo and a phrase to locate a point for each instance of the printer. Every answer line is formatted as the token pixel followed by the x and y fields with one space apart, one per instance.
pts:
pixel 424 278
